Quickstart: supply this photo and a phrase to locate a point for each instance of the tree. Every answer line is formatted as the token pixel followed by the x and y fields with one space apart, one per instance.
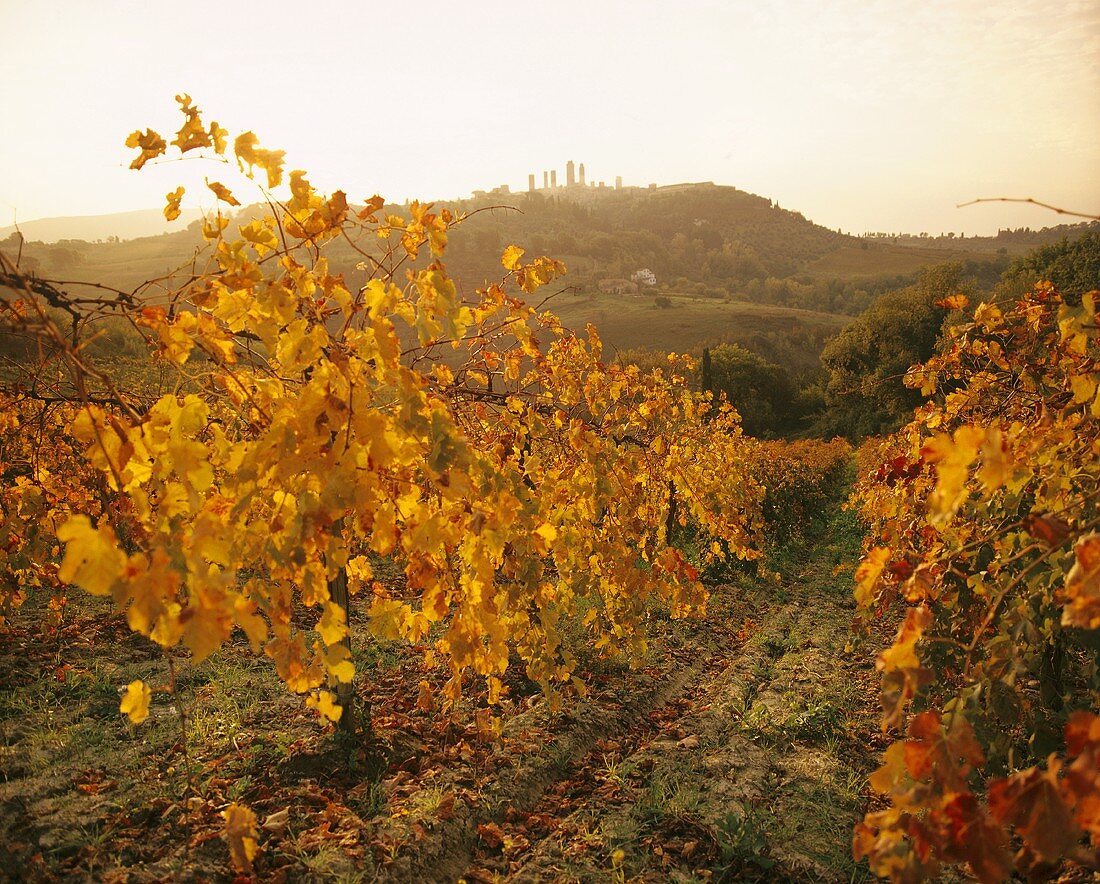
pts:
pixel 1072 265
pixel 867 361
pixel 761 391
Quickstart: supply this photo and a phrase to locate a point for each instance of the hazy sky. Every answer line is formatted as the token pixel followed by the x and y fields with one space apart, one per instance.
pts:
pixel 861 114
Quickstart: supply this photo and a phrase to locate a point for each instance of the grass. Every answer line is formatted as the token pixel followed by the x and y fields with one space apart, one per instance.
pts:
pixel 627 322
pixel 883 259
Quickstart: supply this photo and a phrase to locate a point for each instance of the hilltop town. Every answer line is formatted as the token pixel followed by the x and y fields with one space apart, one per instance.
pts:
pixel 577 188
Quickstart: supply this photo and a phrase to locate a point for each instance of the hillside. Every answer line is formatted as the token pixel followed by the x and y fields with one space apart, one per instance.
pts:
pixel 788 336
pixel 699 241
pixel 1007 240
pixel 89 228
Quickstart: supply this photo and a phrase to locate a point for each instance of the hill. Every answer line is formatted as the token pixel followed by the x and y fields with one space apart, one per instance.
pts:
pixel 90 228
pixel 734 266
pixel 1008 240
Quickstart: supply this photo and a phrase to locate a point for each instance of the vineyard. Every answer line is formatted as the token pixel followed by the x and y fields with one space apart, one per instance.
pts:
pixel 314 576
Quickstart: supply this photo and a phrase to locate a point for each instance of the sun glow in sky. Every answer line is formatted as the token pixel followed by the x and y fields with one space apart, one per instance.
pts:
pixel 861 114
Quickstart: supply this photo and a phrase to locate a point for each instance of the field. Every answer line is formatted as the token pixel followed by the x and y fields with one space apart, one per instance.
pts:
pixel 739 751
pixel 689 322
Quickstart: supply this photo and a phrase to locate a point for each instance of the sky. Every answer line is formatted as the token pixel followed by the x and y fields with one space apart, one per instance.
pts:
pixel 864 115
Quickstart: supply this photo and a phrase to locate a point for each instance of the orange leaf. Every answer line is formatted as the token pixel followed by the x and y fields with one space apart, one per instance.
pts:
pixel 1032 802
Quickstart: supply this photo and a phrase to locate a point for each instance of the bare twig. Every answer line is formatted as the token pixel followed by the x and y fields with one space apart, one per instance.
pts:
pixel 1029 200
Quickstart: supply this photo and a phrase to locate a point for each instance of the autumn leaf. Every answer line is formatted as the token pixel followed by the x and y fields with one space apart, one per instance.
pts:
pixel 135 703
pixel 240 833
pixel 511 256
pixel 954 302
pixel 1052 530
pixel 425 698
pixel 901 654
pixel 952 456
pixel 261 236
pixel 223 193
pixel 324 702
pixel 191 134
pixel 333 624
pixel 974 838
pixel 218 137
pixel 1082 588
pixel 490 834
pixel 1031 801
pixel 151 144
pixel 172 209
pixel 868 573
pixel 250 154
pixel 387 618
pixel 1081 784
pixel 92 559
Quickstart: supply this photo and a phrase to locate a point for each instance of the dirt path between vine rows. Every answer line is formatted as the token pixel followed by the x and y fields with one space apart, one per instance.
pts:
pixel 747 759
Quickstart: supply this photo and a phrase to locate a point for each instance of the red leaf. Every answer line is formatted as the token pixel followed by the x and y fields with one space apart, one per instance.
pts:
pixel 1032 802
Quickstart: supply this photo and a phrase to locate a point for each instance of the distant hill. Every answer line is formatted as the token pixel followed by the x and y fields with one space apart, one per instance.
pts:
pixel 698 240
pixel 1006 240
pixel 123 225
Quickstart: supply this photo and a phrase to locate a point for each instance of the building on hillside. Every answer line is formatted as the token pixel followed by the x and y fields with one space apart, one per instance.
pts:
pixel 577 186
pixel 645 276
pixel 618 287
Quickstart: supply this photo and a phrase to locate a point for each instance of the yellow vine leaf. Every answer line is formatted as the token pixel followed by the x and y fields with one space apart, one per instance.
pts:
pixel 212 227
pixel 343 671
pixel 191 134
pixel 248 151
pixel 511 256
pixel 952 457
pixel 997 464
pixel 324 702
pixel 172 209
pixel 92 559
pixel 135 703
pixel 954 302
pixel 387 618
pixel 867 574
pixel 333 624
pixel 240 833
pixel 223 193
pixel 261 236
pixel 218 137
pixel 151 144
